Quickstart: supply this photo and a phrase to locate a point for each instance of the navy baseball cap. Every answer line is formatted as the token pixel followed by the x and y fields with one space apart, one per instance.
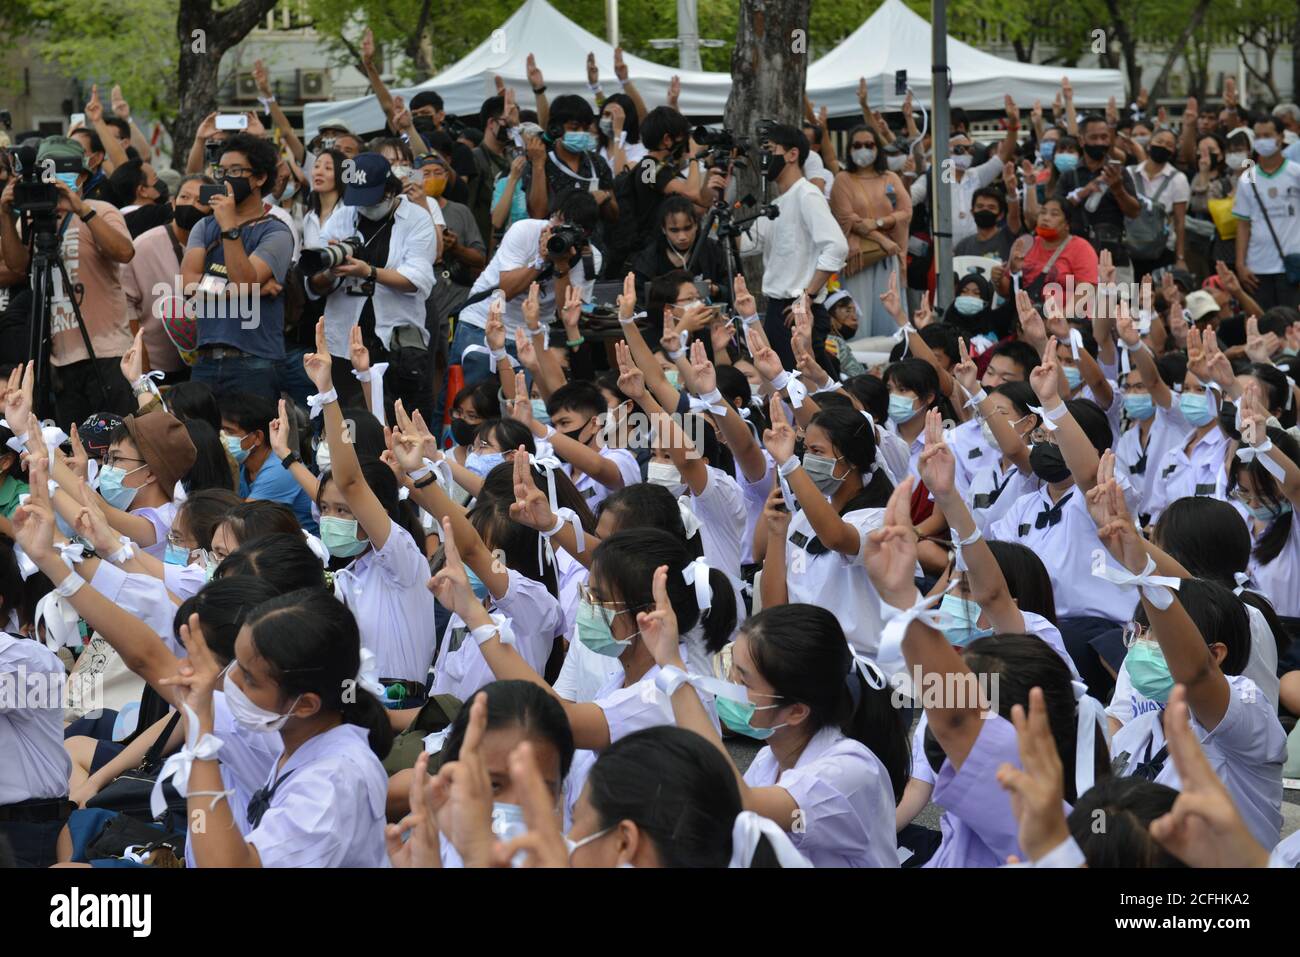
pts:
pixel 364 178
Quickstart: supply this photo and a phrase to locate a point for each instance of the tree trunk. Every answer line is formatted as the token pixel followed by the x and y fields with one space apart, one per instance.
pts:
pixel 768 68
pixel 1198 14
pixel 1128 44
pixel 204 37
pixel 1295 58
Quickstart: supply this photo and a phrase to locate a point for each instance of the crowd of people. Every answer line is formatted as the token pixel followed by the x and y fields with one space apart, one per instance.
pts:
pixel 446 498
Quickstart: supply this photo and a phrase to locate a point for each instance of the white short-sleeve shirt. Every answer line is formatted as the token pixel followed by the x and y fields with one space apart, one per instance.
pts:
pixel 33 760
pixel 722 514
pixel 839 583
pixel 593 491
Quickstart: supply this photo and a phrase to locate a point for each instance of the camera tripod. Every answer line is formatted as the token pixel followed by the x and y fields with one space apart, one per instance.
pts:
pixel 729 229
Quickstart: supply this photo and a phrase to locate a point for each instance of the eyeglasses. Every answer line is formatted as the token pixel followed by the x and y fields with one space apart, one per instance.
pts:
pixel 1133 633
pixel 959 150
pixel 221 172
pixel 111 460
pixel 482 446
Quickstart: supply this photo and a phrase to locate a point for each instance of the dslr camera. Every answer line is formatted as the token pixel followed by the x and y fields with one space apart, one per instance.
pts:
pixel 318 259
pixel 565 236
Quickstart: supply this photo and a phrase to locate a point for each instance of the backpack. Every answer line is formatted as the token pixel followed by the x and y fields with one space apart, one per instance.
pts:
pixel 1147 235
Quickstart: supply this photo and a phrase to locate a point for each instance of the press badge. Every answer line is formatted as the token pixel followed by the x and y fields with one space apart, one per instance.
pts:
pixel 212 285
pixel 593 186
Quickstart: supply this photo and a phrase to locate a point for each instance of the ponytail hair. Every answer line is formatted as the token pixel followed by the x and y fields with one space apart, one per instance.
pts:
pixel 311 642
pixel 801 651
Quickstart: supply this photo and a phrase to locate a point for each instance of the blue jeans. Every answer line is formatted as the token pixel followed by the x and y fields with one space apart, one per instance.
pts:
pixel 238 374
pixel 291 377
pixel 474 365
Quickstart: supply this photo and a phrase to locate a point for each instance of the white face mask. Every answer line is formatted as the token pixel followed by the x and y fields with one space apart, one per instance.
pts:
pixel 323 456
pixel 962 161
pixel 863 156
pixel 377 211
pixel 1265 146
pixel 248 715
pixel 667 475
pixel 1236 160
pixel 896 161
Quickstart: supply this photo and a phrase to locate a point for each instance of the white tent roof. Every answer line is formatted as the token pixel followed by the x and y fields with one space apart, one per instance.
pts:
pixel 895 38
pixel 561 48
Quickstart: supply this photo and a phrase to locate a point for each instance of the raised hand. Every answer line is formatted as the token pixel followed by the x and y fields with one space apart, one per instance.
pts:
pixel 531 506
pixel 1105 268
pixel 18 396
pixel 318 364
pixel 466 816
pixel 620 67
pixel 765 359
pixel 542 844
pixel 263 79
pixel 280 432
pixel 703 374
pixel 199 673
pixel 1032 329
pixel 593 72
pixel 890 300
pixel 1037 792
pixel 451 585
pixel 521 406
pixel 775 514
pixel 121 108
pixel 965 371
pixel 658 628
pixel 357 350
pixel 890 551
pixel 936 464
pixel 571 311
pixel 631 380
pixel 1259 348
pixel 532 308
pixel 535 78
pixel 1254 414
pixel 92 523
pixel 627 298
pixel 494 331
pixel 743 298
pixel 420 827
pixel 1045 376
pixel 1126 327
pixel 525 349
pixel 779 440
pixel 801 319
pixel 721 334
pixel 78 462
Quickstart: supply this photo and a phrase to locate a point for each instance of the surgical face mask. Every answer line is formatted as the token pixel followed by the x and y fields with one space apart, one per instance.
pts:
pixel 966 613
pixel 1139 407
pixel 1236 160
pixel 739 717
pixel 1046 149
pixel 962 161
pixel 340 537
pixel 579 141
pixel 115 493
pixel 1064 162
pixel 176 555
pixel 210 569
pixel 323 456
pixel 665 474
pixel 896 161
pixel 1196 408
pixel 376 211
pixel 69 180
pixel 235 447
pixel 1161 154
pixel 1142 140
pixel 290 189
pixel 482 463
pixel 1149 671
pixel 539 411
pixel 249 716
pixel 1266 513
pixel 607 126
pixel 674 378
pixel 901 409
pixel 507 821
pixel 1265 146
pixel 968 305
pixel 402 172
pixel 863 156
pixel 1047 462
pixel 594 631
pixel 822 471
pixel 476 584
pixel 1073 377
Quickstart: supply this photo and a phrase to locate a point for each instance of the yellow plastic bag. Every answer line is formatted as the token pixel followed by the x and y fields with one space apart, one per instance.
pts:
pixel 1224 221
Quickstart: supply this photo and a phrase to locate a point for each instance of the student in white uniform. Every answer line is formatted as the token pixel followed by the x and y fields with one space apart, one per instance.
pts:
pixel 971 443
pixel 913 390
pixel 870 395
pixel 1270 503
pixel 992 482
pixel 297 669
pixel 384 569
pixel 815 556
pixel 1195 465
pixel 836 760
pixel 741 430
pixel 576 433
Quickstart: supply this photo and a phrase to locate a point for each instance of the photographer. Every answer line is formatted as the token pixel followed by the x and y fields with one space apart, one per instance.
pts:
pixel 93 244
pixel 234 270
pixel 525 257
pixel 571 164
pixel 381 286
pixel 801 248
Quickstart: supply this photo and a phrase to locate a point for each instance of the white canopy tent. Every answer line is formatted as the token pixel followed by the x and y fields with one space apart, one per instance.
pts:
pixel 561 48
pixel 895 38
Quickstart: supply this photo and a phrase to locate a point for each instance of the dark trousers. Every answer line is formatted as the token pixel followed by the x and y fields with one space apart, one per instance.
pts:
pixel 778 333
pixel 33 844
pixel 1090 641
pixel 1274 290
pixel 77 392
pixel 409 378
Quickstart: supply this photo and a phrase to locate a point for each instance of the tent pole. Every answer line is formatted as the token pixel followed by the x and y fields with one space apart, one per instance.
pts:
pixel 611 21
pixel 688 35
pixel 940 171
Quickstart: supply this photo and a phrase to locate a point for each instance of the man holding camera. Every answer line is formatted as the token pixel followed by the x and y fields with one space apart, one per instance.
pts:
pixel 234 269
pixel 93 244
pixel 549 252
pixel 381 284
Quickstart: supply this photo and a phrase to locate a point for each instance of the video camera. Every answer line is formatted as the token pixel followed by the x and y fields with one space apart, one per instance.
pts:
pixel 318 259
pixel 34 193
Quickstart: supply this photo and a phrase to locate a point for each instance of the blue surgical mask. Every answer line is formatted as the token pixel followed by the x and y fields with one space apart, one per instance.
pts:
pixel 1046 149
pixel 1064 162
pixel 1139 407
pixel 1149 671
pixel 176 555
pixel 481 463
pixel 539 412
pixel 674 379
pixel 902 409
pixel 594 631
pixel 233 446
pixel 340 537
pixel 968 305
pixel 1196 408
pixel 1267 513
pixel 69 180
pixel 1073 377
pixel 739 717
pixel 967 613
pixel 579 141
pixel 476 584
pixel 110 486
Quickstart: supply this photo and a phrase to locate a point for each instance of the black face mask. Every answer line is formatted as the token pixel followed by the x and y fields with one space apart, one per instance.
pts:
pixel 187 217
pixel 984 218
pixel 462 432
pixel 240 186
pixel 163 192
pixel 574 433
pixel 1161 154
pixel 775 164
pixel 1048 463
pixel 503 134
pixel 1096 151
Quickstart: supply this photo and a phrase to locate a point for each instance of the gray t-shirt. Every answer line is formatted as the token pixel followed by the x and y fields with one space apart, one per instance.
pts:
pixel 454 280
pixel 251 324
pixel 998 246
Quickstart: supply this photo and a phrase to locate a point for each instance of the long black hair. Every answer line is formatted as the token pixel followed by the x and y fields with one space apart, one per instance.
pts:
pixel 222 606
pixel 516 704
pixel 383 483
pixel 1128 805
pixel 626 562
pixel 852 435
pixel 646 505
pixel 312 644
pixel 1278 533
pixel 1027 579
pixel 285 562
pixel 205 510
pixel 803 654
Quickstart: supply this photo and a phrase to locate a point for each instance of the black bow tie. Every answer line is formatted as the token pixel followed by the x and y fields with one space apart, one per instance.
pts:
pixel 1050 516
pixel 1149 768
pixel 1140 466
pixel 260 802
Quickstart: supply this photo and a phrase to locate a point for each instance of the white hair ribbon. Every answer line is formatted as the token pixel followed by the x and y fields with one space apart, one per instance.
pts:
pixel 1155 588
pixel 177 767
pixel 1092 714
pixel 746 832
pixel 60 619
pixel 697 574
pixel 870 671
pixel 1242 580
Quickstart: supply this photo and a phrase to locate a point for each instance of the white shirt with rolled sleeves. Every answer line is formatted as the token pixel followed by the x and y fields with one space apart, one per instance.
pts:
pixel 803 239
pixel 837 582
pixel 143 596
pixel 1169 430
pixel 593 491
pixel 521 247
pixel 328 807
pixel 412 249
pixel 536 620
pixel 387 591
pixel 1246 749
pixel 1179 475
pixel 1067 550
pixel 963 194
pixel 845 801
pixel 722 514
pixel 34 763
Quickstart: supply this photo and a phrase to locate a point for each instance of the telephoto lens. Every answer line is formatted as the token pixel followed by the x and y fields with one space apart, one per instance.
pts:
pixel 565 236
pixel 318 259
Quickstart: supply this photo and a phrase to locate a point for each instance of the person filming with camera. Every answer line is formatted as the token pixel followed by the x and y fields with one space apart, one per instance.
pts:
pixel 376 273
pixel 93 243
pixel 554 253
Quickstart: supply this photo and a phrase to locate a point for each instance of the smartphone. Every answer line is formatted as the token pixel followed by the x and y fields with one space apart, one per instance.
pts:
pixel 76 120
pixel 900 83
pixel 1114 162
pixel 232 121
pixel 207 192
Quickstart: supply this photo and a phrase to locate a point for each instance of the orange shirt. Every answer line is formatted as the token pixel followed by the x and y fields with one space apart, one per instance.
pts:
pixel 96 281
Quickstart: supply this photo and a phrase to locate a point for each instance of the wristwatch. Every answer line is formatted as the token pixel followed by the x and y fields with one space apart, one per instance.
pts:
pixel 290 459
pixel 90 214
pixel 230 233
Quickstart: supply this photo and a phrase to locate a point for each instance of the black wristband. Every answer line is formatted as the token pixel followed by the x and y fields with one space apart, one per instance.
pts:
pixel 539 90
pixel 425 482
pixel 290 459
pixel 91 214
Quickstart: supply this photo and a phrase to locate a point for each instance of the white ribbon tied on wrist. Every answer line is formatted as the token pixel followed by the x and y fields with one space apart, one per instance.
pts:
pixel 316 403
pixel 959 543
pixel 1047 423
pixel 1259 453
pixel 709 402
pixel 1092 714
pixel 375 376
pixel 746 832
pixel 368 674
pixel 563 516
pixel 178 766
pixel 1155 588
pixel 60 618
pixel 697 575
